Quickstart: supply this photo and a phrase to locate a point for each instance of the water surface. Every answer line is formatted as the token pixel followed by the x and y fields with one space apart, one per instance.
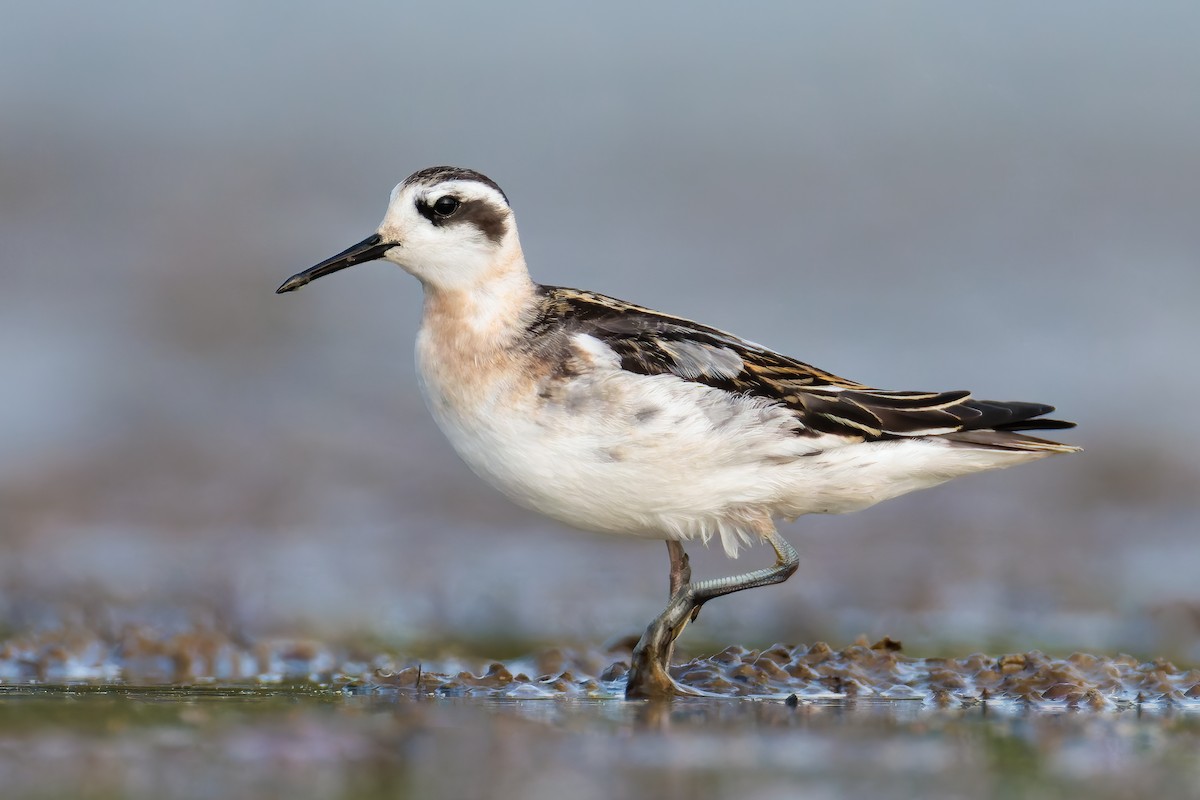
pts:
pixel 142 742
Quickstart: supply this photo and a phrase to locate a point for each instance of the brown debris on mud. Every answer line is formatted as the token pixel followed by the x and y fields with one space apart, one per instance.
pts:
pixel 881 671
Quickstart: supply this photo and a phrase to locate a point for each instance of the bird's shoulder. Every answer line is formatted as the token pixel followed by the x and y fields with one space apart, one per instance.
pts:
pixel 650 342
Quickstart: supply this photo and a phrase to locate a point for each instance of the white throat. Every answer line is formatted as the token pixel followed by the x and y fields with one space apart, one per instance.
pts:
pixel 488 301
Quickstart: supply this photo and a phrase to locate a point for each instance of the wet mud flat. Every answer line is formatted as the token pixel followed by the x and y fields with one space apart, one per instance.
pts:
pixel 200 715
pixel 879 670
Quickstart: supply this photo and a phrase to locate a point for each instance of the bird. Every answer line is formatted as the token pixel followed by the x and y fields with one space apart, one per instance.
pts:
pixel 610 416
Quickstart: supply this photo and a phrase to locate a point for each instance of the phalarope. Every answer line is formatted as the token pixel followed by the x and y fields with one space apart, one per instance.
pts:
pixel 613 417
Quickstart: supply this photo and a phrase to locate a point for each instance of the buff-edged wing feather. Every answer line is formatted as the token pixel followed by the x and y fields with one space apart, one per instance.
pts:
pixel 651 343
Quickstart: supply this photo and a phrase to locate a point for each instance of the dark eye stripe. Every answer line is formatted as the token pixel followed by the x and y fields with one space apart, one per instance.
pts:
pixel 490 220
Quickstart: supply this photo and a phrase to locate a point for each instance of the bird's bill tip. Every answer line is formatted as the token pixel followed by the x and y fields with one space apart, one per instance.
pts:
pixel 369 249
pixel 293 283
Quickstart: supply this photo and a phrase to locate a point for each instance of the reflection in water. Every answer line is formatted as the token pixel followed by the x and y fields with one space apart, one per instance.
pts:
pixel 166 743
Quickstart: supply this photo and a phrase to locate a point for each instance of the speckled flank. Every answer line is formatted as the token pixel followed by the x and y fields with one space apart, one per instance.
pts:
pixel 646 415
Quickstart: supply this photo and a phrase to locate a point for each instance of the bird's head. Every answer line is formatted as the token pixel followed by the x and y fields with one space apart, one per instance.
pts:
pixel 450 227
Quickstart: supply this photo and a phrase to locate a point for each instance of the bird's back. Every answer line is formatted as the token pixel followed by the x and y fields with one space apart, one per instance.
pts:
pixel 649 343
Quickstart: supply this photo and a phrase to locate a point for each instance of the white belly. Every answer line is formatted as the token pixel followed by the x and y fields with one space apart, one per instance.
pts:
pixel 662 457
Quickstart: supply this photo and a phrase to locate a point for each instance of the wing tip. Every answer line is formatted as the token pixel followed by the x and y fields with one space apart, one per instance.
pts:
pixel 1010 441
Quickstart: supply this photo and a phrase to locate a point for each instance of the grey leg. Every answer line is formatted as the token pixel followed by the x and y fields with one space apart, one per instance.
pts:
pixel 681 572
pixel 786 562
pixel 681 576
pixel 681 567
pixel 648 676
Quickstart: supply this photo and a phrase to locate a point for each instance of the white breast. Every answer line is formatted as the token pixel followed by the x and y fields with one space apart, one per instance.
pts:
pixel 614 451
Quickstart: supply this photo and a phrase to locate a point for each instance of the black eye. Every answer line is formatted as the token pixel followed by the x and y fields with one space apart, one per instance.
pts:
pixel 445 206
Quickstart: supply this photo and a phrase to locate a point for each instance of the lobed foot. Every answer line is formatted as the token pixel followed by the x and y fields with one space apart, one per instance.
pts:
pixel 648 677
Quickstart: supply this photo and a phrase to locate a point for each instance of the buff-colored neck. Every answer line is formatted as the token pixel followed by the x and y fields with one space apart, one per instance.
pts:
pixel 490 309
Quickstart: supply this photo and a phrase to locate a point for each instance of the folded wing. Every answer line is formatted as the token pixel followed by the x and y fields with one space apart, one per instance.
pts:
pixel 650 343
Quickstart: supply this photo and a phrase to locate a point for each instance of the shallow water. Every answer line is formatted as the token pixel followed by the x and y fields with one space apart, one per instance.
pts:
pixel 201 714
pixel 156 742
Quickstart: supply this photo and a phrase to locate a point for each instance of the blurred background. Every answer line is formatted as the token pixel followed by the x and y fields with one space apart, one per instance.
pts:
pixel 917 196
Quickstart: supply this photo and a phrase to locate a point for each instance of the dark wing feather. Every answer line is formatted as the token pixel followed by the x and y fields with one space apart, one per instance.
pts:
pixel 651 343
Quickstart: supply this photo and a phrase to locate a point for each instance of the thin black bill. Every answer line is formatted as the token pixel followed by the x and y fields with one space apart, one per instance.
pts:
pixel 369 249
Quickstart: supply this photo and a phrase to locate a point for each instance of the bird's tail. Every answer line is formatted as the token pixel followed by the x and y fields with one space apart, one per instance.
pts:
pixel 1008 439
